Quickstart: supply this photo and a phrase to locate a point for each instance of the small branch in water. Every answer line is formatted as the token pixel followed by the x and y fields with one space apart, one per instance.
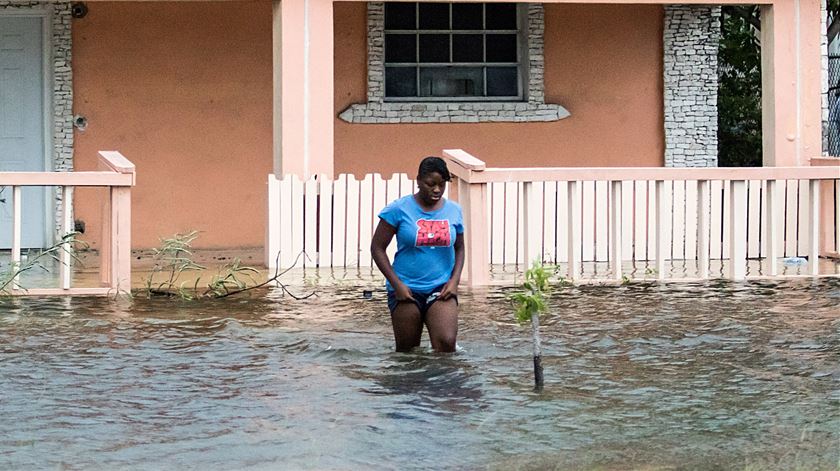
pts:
pixel 539 381
pixel 535 335
pixel 530 303
pixel 9 278
pixel 275 278
pixel 174 258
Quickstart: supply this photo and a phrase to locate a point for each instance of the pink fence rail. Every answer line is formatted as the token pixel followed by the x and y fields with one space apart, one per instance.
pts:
pixel 574 215
pixel 117 175
pixel 578 215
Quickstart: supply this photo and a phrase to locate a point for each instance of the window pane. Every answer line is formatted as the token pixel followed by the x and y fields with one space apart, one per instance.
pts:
pixel 451 81
pixel 466 16
pixel 400 81
pixel 467 48
pixel 501 81
pixel 434 16
pixel 434 48
pixel 400 15
pixel 501 15
pixel 501 48
pixel 400 48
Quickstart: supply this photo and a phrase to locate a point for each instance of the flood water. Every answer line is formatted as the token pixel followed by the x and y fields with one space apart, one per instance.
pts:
pixel 643 376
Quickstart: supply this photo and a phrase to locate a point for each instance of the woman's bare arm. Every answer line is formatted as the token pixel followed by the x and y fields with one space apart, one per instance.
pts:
pixel 379 243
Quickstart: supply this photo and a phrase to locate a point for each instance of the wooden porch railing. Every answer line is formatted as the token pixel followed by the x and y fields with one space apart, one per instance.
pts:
pixel 115 173
pixel 773 204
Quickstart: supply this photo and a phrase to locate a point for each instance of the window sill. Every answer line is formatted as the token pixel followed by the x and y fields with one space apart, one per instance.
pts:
pixel 442 112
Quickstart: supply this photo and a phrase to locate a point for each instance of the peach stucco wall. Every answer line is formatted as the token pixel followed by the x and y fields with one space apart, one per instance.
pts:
pixel 184 90
pixel 603 63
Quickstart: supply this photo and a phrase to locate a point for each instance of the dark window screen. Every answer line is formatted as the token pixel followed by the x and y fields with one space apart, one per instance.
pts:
pixel 463 51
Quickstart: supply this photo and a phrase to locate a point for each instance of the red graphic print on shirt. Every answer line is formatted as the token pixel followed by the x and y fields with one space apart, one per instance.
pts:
pixel 432 233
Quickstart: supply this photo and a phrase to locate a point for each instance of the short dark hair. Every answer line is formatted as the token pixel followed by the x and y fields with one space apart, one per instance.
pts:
pixel 433 164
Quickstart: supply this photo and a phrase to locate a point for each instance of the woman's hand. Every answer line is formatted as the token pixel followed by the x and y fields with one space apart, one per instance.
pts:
pixel 403 293
pixel 449 289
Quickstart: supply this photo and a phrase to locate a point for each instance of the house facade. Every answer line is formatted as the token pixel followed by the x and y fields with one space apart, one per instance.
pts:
pixel 207 98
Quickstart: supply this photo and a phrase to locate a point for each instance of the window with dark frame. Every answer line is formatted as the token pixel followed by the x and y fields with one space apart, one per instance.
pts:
pixel 452 51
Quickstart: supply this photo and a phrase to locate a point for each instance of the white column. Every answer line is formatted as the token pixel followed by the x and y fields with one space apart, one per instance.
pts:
pixel 303 87
pixel 791 104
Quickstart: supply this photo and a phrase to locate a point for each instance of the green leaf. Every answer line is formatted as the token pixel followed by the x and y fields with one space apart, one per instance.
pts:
pixel 532 299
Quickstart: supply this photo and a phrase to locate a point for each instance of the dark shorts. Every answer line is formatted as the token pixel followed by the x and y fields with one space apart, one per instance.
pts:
pixel 423 300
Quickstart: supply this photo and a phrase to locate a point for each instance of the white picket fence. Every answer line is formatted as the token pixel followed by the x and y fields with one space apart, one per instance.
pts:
pixel 332 221
pixel 637 239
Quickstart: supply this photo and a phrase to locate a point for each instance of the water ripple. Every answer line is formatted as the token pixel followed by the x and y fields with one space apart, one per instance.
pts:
pixel 713 375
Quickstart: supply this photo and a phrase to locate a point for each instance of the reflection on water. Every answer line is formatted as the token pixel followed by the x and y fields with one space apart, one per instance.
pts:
pixel 426 383
pixel 642 376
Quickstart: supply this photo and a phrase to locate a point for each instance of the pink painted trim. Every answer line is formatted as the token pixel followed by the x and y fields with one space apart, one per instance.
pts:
pixel 472 177
pixel 472 170
pixel 116 161
pixel 66 179
pixel 643 174
pixel 464 160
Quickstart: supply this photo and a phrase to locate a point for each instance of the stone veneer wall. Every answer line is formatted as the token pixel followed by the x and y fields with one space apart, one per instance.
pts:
pixel 377 110
pixel 824 76
pixel 691 40
pixel 61 81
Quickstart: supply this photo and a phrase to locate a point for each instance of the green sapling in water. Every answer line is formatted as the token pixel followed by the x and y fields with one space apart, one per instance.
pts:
pixel 530 303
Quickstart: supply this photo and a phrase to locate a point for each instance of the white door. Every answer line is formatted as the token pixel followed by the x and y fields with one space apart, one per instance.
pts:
pixel 22 124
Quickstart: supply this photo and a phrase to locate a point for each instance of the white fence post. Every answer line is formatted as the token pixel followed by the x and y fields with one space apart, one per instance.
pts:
pixel 121 238
pixel 473 199
pixel 814 227
pixel 703 228
pixel 773 213
pixel 660 229
pixel 66 228
pixel 310 221
pixel 272 242
pixel 573 228
pixel 365 217
pixel 339 228
pixel 352 220
pixel 16 233
pixel 532 232
pixel 737 229
pixel 325 223
pixel 616 229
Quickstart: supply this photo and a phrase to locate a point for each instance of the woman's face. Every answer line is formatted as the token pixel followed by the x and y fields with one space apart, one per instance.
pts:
pixel 430 188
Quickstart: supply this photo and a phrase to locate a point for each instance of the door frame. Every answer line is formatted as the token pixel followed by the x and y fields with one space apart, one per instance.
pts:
pixel 50 193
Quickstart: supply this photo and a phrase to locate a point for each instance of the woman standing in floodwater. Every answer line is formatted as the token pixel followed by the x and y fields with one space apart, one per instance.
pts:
pixel 423 281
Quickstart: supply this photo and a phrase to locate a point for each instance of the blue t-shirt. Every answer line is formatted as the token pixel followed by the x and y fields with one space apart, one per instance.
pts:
pixel 425 242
